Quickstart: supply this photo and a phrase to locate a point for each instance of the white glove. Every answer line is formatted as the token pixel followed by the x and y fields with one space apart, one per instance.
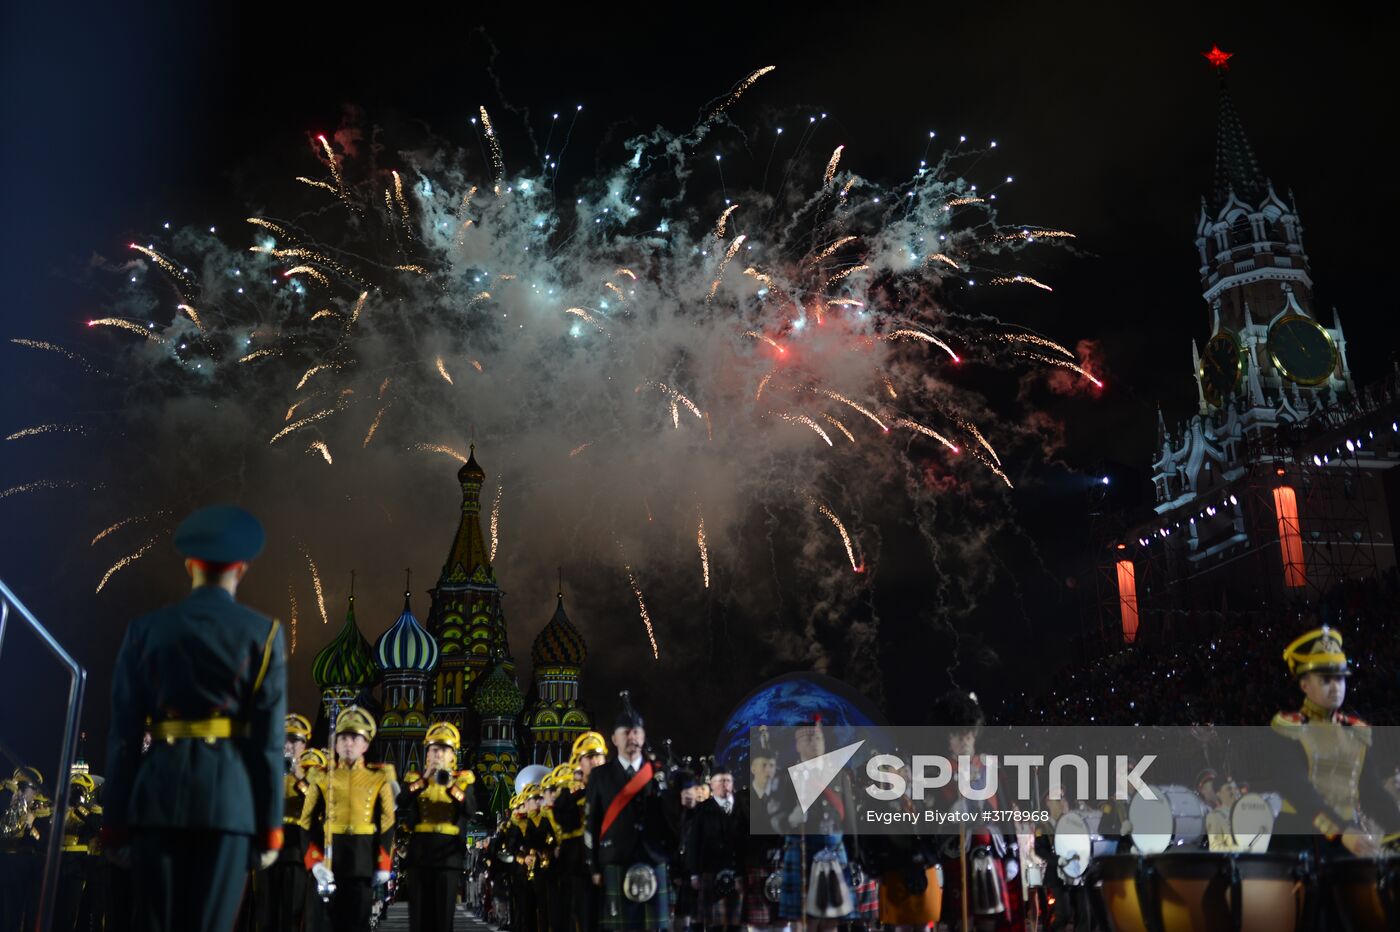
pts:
pixel 266 859
pixel 381 878
pixel 323 875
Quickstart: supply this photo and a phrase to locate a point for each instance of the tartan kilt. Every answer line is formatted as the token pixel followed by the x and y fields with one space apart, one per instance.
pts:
pixel 757 910
pixel 716 910
pixel 618 912
pixel 867 897
pixel 796 874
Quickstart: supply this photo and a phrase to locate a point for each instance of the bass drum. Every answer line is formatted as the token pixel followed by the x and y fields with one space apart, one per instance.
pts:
pixel 1176 817
pixel 1366 891
pixel 1198 891
pixel 1252 820
pixel 1077 841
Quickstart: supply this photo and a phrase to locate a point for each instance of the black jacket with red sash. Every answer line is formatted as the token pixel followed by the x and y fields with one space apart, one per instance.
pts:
pixel 636 827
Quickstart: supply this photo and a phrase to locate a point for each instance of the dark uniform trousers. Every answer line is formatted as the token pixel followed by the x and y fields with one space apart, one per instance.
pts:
pixel 284 885
pixel 172 868
pixel 353 861
pixel 19 887
pixel 433 894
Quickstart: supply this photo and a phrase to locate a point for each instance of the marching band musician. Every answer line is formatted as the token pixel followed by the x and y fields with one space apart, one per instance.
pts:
pixel 522 911
pixel 1220 835
pixel 571 813
pixel 559 896
pixel 436 806
pixel 358 824
pixel 209 675
pixel 315 765
pixel 630 840
pixel 990 856
pixel 20 836
pixel 816 876
pixel 284 890
pixel 80 827
pixel 499 903
pixel 685 893
pixel 1335 788
pixel 715 858
pixel 760 850
pixel 539 852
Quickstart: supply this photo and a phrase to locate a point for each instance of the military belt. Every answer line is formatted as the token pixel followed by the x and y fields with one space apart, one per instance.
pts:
pixel 207 729
pixel 71 843
pixel 570 836
pixel 363 829
pixel 438 828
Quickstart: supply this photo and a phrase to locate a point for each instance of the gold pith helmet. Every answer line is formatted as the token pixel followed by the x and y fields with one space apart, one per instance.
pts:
pixel 562 775
pixel 312 757
pixel 532 791
pixel 444 733
pixel 1318 651
pixel 28 775
pixel 590 742
pixel 515 801
pixel 298 726
pixel 355 721
pixel 83 780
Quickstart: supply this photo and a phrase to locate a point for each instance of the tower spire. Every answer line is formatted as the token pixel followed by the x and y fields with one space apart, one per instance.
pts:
pixel 1236 170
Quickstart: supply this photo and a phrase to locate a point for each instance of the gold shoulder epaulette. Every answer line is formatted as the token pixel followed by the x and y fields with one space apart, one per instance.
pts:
pixel 1289 724
pixel 386 769
pixel 1347 719
pixel 412 777
pixel 465 778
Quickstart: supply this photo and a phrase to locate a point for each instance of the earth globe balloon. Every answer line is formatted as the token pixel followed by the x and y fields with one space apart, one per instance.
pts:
pixel 531 774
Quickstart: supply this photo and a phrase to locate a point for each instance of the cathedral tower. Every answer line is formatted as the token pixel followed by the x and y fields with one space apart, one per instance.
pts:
pixel 465 617
pixel 345 667
pixel 407 656
pixel 555 717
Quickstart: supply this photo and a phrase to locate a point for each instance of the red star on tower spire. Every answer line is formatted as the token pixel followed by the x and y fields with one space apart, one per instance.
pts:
pixel 1218 59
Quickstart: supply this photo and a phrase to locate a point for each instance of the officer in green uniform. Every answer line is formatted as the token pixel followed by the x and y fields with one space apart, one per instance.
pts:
pixel 1334 790
pixel 209 676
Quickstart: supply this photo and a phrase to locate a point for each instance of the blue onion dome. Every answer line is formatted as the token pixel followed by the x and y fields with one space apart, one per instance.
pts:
pixel 497 696
pixel 406 646
pixel 559 644
pixel 347 660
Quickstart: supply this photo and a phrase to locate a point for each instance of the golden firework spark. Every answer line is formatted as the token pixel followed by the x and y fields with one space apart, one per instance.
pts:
pixel 298 404
pixel 845 273
pixel 806 421
pixel 170 268
pixel 40 485
pixel 961 201
pixel 403 205
pixel 845 302
pixel 738 92
pixel 359 306
pixel 257 354
pixel 971 428
pixel 415 269
pixel 927 432
pixel 124 324
pixel 940 257
pixel 124 562
pixel 831 167
pixel 586 316
pixel 38 429
pixel 309 419
pixel 608 285
pixel 1063 364
pixel 857 566
pixel 724 219
pixel 319 446
pixel 335 171
pixel 704 550
pixel 306 376
pixel 889 386
pixel 317 184
pixel 440 448
pixel 53 348
pixel 1037 340
pixel 839 426
pixel 272 227
pixel 133 519
pixel 193 315
pixel 854 406
pixel 497 163
pixel 311 255
pixel 316 584
pixel 442 371
pixel 292 597
pixel 476 364
pixel 642 608
pixel 496 522
pixel 1020 280
pixel 724 264
pixel 763 383
pixel 308 270
pixel 850 183
pixel 910 334
pixel 675 414
pixel 384 387
pixel 324 312
pixel 1032 235
pixel 831 248
pixel 580 448
pixel 379 416
pixel 763 277
pixel 628 272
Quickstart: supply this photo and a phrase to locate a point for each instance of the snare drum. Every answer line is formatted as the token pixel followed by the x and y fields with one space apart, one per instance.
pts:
pixel 1176 817
pixel 1366 891
pixel 1198 891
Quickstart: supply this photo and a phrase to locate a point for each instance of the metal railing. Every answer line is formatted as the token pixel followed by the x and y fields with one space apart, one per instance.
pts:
pixel 12 608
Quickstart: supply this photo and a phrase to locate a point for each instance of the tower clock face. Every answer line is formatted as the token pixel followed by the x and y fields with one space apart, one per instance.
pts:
pixel 1222 367
pixel 1302 350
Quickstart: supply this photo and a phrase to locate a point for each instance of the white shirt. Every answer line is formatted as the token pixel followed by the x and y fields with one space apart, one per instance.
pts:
pixel 634 764
pixel 727 804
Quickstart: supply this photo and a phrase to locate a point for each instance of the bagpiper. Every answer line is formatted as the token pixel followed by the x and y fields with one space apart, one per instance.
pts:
pixel 715 858
pixel 630 839
pixel 435 807
pixel 209 677
pixel 20 837
pixel 285 887
pixel 358 827
pixel 1334 790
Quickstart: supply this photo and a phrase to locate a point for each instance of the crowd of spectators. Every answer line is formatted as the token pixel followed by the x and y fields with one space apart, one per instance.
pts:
pixel 1226 667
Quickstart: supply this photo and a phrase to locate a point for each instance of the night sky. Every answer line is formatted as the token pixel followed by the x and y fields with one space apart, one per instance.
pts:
pixel 116 120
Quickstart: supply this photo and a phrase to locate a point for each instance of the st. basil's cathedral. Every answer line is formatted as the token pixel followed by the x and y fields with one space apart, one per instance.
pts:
pixel 458 668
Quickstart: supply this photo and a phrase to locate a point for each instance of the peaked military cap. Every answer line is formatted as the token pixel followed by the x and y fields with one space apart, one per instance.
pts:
pixel 1318 651
pixel 298 726
pixel 355 721
pixel 590 742
pixel 220 534
pixel 313 757
pixel 444 733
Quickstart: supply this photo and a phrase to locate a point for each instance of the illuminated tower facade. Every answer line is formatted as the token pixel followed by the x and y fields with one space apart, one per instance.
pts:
pixel 466 618
pixel 407 656
pixel 344 667
pixel 497 702
pixel 555 717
